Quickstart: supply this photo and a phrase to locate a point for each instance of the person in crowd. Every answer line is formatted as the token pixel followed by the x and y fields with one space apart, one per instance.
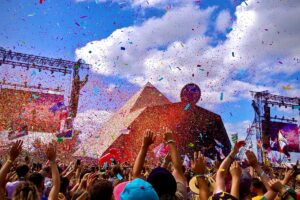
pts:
pixel 28 189
pixel 228 179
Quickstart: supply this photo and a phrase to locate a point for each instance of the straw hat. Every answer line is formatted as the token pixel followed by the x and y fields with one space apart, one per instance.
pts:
pixel 193 184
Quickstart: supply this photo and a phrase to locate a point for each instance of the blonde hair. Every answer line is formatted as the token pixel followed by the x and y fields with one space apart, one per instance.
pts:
pixel 26 191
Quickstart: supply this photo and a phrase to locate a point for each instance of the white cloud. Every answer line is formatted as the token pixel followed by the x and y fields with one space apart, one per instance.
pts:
pixel 173 46
pixel 240 128
pixel 90 122
pixel 146 3
pixel 223 21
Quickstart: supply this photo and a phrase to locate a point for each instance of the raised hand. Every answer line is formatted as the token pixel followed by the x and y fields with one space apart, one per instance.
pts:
pixel 168 135
pixel 198 164
pixel 252 160
pixel 287 176
pixel 235 170
pixel 51 152
pixel 238 145
pixel 15 150
pixel 276 185
pixel 149 138
pixel 91 180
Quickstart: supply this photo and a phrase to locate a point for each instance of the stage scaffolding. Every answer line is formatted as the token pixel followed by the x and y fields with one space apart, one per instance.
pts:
pixel 261 104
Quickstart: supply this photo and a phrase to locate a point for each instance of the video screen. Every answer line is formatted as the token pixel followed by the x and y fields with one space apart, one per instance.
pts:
pixel 280 136
pixel 19 108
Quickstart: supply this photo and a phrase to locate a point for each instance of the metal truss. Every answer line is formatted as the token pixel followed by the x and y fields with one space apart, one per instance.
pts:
pixel 262 99
pixel 27 61
pixel 32 87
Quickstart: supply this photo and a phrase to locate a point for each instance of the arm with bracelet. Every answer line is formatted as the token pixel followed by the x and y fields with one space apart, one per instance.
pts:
pixel 223 169
pixel 252 160
pixel 175 157
pixel 199 168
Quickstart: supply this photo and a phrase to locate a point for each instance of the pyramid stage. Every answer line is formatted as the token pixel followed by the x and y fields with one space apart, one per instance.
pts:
pixel 194 128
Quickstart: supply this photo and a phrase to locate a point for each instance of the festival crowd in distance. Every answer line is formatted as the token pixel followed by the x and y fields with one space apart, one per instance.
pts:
pixel 229 179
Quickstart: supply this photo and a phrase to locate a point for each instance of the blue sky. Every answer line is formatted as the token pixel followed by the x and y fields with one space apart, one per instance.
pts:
pixel 95 31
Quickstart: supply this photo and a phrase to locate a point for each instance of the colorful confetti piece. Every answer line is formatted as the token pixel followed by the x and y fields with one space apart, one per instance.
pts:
pixel 187 106
pixel 221 96
pixel 296 107
pixel 288 87
pixel 191 145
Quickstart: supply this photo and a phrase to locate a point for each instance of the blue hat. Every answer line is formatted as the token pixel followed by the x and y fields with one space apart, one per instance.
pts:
pixel 139 189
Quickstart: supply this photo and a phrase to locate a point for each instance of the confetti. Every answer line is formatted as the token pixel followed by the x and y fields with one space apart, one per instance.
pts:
pixel 280 62
pixel 82 17
pixel 191 145
pixel 160 79
pixel 77 23
pixel 187 106
pixel 90 51
pixel 222 170
pixel 96 90
pixel 60 140
pixel 221 96
pixel 41 1
pixel 232 54
pixel 288 87
pixel 167 8
pixel 123 48
pixel 35 96
pixel 296 107
pixel 119 176
pixel 31 14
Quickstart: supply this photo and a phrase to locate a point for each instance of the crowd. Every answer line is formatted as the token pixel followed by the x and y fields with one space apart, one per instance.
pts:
pixel 230 179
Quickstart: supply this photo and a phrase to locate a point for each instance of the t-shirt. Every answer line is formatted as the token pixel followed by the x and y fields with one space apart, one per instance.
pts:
pixel 181 192
pixel 257 197
pixel 11 187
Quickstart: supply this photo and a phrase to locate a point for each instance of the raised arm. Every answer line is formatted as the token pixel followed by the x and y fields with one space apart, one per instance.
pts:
pixel 14 152
pixel 199 168
pixel 223 169
pixel 149 139
pixel 176 160
pixel 236 172
pixel 284 193
pixel 51 155
pixel 252 160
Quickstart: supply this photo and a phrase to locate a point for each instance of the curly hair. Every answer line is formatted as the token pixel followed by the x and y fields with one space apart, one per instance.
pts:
pixel 26 191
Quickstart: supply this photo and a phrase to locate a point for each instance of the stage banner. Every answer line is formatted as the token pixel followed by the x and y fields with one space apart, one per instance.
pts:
pixel 40 112
pixel 280 136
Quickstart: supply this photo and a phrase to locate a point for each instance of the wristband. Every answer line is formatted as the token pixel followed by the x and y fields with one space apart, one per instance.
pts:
pixel 170 141
pixel 199 175
pixel 53 162
pixel 262 173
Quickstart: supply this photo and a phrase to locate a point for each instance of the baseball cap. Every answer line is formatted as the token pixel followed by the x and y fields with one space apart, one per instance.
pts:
pixel 119 189
pixel 139 189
